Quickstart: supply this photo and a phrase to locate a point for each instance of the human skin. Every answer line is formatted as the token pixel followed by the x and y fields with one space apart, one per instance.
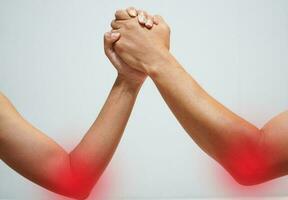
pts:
pixel 40 159
pixel 251 155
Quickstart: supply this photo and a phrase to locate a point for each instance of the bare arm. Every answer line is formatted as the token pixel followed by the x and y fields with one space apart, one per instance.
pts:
pixel 251 155
pixel 40 159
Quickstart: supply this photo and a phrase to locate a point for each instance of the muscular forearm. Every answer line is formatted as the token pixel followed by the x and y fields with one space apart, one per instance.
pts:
pixel 235 143
pixel 40 159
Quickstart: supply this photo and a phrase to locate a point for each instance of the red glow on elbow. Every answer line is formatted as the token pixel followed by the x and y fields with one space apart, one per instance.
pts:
pixel 248 165
pixel 75 183
pixel 78 181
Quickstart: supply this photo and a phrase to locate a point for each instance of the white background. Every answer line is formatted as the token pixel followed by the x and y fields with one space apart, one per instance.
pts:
pixel 53 69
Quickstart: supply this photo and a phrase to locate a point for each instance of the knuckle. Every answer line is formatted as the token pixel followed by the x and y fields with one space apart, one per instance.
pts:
pixel 112 23
pixel 115 24
pixel 122 14
pixel 118 12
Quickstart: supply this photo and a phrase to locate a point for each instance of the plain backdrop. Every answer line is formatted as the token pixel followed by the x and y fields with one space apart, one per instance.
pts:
pixel 53 69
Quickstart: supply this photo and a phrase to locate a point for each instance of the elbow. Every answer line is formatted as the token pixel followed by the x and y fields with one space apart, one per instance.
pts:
pixel 76 186
pixel 246 180
pixel 81 195
pixel 76 179
pixel 247 164
pixel 70 178
pixel 248 171
pixel 79 191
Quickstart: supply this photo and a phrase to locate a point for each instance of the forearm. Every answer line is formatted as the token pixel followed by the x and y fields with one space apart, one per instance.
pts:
pixel 40 159
pixel 97 147
pixel 218 131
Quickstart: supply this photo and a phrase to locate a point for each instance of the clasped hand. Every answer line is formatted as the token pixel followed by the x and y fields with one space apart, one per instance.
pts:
pixel 137 43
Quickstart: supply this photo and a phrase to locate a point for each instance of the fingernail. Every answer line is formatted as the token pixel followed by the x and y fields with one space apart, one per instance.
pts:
pixel 149 23
pixel 133 13
pixel 155 20
pixel 115 35
pixel 142 18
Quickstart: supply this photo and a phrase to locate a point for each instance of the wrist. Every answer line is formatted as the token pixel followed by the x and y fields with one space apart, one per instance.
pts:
pixel 164 61
pixel 127 84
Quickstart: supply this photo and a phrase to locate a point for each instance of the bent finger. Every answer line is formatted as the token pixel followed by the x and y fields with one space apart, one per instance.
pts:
pixel 122 15
pixel 132 11
pixel 157 19
pixel 109 39
pixel 149 23
pixel 142 17
pixel 116 24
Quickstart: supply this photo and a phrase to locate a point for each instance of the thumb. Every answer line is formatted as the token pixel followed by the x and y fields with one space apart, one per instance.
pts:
pixel 109 39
